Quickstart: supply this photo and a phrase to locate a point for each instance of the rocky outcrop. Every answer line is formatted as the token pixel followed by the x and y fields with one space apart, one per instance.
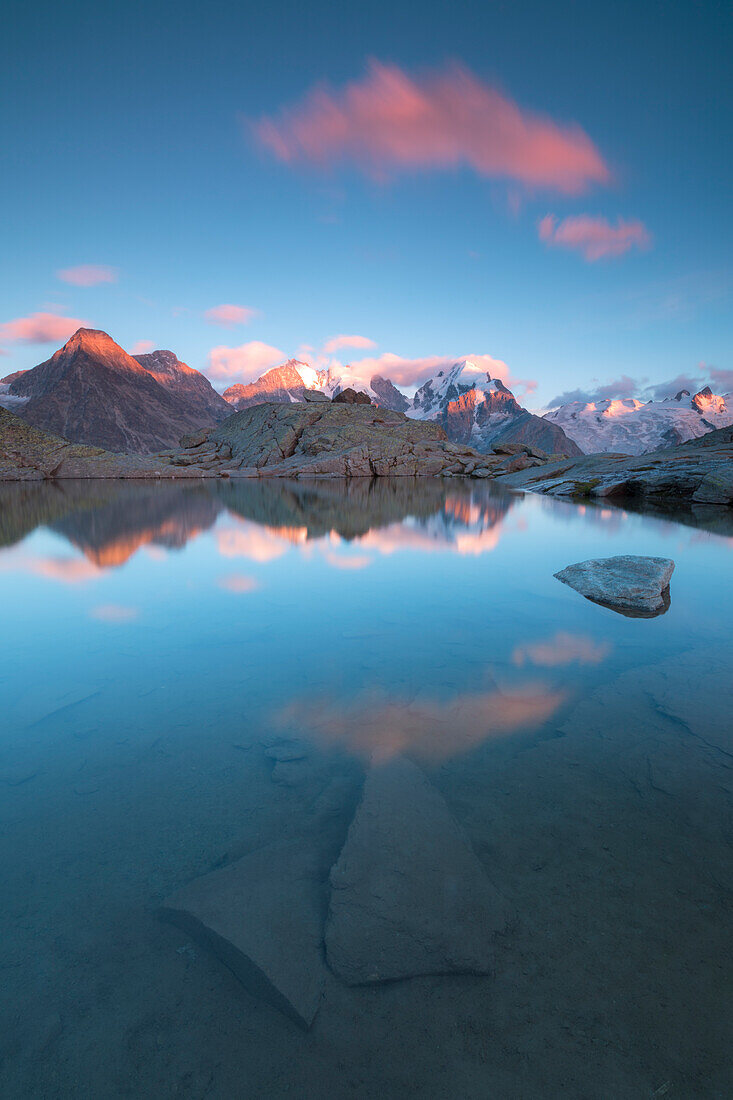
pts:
pixel 386 394
pixel 626 583
pixel 27 454
pixel 350 396
pixel 91 391
pixel 695 474
pixel 408 894
pixel 333 440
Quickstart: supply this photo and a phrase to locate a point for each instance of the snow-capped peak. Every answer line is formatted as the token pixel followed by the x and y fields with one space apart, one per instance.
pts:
pixel 636 427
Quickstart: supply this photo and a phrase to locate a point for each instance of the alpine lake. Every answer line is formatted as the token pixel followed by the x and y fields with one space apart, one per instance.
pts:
pixel 468 833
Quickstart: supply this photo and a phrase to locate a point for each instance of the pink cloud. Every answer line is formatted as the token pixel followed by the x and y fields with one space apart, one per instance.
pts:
pixel 114 613
pixel 141 347
pixel 337 342
pixel 593 237
pixel 448 119
pixel 413 372
pixel 238 583
pixel 87 275
pixel 40 328
pixel 229 315
pixel 244 363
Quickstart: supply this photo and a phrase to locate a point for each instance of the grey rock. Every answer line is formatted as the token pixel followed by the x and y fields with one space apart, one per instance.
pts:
pixel 409 895
pixel 262 917
pixel 624 583
pixel 315 396
pixel 715 488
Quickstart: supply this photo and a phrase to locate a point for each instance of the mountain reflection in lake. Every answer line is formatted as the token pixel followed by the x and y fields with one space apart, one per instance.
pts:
pixel 200 684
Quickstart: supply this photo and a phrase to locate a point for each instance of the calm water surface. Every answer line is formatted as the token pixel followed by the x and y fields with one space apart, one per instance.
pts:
pixel 159 641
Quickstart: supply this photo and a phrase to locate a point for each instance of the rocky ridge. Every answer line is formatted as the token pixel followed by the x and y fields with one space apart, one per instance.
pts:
pixel 325 439
pixel 698 473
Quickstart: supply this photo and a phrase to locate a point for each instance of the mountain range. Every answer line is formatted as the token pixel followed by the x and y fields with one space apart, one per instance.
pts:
pixel 472 408
pixel 635 427
pixel 91 391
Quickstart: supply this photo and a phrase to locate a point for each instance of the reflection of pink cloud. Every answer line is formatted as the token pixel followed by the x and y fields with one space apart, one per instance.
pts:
pixel 87 275
pixel 114 613
pixel 41 328
pixel 65 570
pixel 338 342
pixel 229 315
pixel 399 536
pixel 237 582
pixel 450 119
pixel 352 561
pixel 562 649
pixel 379 728
pixel 245 363
pixel 593 237
pixel 262 544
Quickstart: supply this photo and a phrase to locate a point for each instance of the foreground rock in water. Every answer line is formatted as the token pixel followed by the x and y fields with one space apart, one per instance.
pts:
pixel 699 472
pixel 262 916
pixel 626 583
pixel 408 894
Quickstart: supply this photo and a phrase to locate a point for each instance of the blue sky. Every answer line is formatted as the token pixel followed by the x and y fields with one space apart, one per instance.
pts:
pixel 130 143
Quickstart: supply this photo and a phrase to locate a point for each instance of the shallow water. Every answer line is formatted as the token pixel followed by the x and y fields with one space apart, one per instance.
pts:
pixel 159 640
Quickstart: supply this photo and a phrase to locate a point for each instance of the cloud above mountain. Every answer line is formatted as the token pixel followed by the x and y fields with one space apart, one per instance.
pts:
pixel 719 380
pixel 336 343
pixel 389 121
pixel 40 328
pixel 243 363
pixel 594 238
pixel 229 315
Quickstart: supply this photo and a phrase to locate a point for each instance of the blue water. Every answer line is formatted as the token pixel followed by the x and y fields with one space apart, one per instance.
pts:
pixel 156 640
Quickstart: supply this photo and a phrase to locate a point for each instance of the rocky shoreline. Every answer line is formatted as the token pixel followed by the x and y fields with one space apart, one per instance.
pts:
pixel 321 439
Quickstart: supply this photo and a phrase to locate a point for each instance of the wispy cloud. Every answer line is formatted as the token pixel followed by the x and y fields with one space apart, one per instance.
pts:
pixel 40 328
pixel 594 238
pixel 389 121
pixel 141 347
pixel 87 275
pixel 230 315
pixel 617 387
pixel 335 343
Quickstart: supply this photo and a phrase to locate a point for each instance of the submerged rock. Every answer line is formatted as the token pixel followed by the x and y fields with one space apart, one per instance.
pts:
pixel 409 895
pixel 262 917
pixel 626 583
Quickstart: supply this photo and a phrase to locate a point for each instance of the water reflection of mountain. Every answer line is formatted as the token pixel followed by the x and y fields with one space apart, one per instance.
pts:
pixel 353 508
pixel 109 521
pixel 110 533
